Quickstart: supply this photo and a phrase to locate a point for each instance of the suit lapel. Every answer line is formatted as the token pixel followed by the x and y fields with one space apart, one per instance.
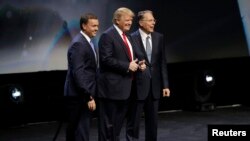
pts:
pixel 85 42
pixel 132 44
pixel 154 46
pixel 141 46
pixel 120 40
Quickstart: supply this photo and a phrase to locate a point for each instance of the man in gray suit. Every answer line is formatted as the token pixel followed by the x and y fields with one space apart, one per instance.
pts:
pixel 80 84
pixel 151 83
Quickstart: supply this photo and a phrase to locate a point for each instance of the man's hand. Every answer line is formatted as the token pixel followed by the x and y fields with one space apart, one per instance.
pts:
pixel 166 92
pixel 91 104
pixel 133 66
pixel 142 65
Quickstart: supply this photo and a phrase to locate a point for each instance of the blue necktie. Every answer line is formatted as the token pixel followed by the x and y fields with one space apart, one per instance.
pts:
pixel 93 48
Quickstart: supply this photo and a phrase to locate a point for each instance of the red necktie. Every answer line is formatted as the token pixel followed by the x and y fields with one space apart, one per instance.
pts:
pixel 126 44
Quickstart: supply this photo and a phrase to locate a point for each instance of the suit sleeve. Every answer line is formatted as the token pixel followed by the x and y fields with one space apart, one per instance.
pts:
pixel 164 63
pixel 107 59
pixel 84 79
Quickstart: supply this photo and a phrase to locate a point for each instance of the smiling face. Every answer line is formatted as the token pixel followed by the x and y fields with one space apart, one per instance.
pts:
pixel 123 18
pixel 124 22
pixel 91 27
pixel 147 22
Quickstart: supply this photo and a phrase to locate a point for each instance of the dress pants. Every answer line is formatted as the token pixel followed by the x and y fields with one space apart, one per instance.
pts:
pixel 150 108
pixel 78 119
pixel 112 114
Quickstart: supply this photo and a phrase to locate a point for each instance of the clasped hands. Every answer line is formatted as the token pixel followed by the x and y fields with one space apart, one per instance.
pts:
pixel 135 65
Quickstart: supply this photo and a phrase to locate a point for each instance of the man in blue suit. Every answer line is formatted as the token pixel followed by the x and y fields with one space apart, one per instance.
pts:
pixel 118 64
pixel 80 84
pixel 151 83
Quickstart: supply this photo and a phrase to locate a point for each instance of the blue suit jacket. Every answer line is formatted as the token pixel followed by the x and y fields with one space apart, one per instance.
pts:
pixel 81 75
pixel 114 80
pixel 156 70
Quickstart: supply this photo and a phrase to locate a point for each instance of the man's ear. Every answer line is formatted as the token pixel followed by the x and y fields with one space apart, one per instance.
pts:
pixel 140 23
pixel 84 27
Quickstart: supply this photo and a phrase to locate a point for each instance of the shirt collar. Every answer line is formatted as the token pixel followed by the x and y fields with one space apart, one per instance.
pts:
pixel 86 36
pixel 143 34
pixel 118 29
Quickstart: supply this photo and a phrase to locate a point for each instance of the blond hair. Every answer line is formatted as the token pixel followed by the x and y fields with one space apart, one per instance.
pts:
pixel 120 12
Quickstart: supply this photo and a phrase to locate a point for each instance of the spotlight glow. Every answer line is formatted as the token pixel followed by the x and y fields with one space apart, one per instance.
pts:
pixel 209 78
pixel 16 93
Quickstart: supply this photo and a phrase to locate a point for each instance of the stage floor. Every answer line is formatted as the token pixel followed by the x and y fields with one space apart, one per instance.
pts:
pixel 174 125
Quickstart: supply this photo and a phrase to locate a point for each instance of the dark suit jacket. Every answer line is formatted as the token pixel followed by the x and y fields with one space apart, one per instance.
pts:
pixel 114 80
pixel 156 70
pixel 81 75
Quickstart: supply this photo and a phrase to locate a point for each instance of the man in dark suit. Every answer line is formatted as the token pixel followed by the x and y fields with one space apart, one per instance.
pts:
pixel 152 82
pixel 80 84
pixel 117 66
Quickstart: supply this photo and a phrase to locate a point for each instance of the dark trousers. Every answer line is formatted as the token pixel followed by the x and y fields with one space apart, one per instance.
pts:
pixel 111 117
pixel 150 108
pixel 78 119
pixel 112 114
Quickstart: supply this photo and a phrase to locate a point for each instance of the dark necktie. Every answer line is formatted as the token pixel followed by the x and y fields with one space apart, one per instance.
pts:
pixel 127 46
pixel 148 48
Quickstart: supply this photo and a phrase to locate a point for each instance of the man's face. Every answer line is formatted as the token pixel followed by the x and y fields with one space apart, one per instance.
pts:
pixel 147 23
pixel 125 22
pixel 91 27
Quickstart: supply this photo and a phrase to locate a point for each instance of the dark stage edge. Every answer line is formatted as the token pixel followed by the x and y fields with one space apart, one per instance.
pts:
pixel 174 125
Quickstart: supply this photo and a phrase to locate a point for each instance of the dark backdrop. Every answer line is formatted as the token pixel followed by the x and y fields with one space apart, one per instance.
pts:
pixel 201 36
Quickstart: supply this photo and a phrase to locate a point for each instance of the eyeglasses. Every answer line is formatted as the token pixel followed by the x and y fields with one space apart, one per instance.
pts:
pixel 152 20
